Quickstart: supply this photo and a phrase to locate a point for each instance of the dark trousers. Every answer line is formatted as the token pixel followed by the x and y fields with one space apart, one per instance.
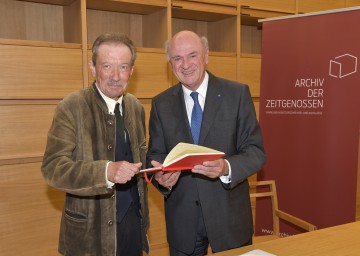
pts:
pixel 128 234
pixel 202 242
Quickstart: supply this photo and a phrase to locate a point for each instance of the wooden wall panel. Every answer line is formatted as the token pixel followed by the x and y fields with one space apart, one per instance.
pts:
pixel 155 37
pixel 220 2
pixel 106 21
pixel 250 69
pixel 29 211
pixel 150 76
pixel 39 72
pixel 223 66
pixel 24 129
pixel 157 232
pixel 257 107
pixel 27 18
pixel 278 5
pixel 350 3
pixel 147 106
pixel 216 30
pixel 250 39
pixel 200 27
pixel 319 5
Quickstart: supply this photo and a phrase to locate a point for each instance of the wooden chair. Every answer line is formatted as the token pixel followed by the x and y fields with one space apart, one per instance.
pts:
pixel 276 213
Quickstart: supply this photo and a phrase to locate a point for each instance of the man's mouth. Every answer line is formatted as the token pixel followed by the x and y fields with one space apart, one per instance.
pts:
pixel 188 73
pixel 115 84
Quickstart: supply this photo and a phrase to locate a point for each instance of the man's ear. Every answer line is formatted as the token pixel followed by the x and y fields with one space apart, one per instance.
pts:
pixel 132 70
pixel 92 68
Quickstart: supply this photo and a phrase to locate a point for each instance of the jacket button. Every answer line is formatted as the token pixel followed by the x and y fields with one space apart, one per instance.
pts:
pixel 113 196
pixel 109 147
pixel 110 222
pixel 197 203
pixel 110 122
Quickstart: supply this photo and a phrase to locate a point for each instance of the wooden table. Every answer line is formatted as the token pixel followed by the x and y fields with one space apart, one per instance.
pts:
pixel 339 240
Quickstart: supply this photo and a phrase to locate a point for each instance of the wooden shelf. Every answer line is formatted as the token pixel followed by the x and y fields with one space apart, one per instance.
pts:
pixel 207 20
pixel 232 3
pixel 201 11
pixel 54 2
pixel 41 20
pixel 305 6
pixel 135 7
pixel 251 16
pixel 21 42
pixel 279 6
pixel 137 20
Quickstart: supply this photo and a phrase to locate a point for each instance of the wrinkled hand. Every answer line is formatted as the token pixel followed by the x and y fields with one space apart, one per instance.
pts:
pixel 212 169
pixel 165 179
pixel 122 171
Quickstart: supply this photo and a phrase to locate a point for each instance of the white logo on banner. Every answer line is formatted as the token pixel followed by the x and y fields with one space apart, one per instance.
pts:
pixel 343 65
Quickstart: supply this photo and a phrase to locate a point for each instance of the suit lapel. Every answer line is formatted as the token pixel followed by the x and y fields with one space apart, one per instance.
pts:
pixel 212 104
pixel 178 110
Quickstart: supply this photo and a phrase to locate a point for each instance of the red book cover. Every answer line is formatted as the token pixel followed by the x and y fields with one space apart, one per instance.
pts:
pixel 185 156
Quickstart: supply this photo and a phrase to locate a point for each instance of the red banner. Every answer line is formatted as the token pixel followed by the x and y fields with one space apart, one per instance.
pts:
pixel 309 114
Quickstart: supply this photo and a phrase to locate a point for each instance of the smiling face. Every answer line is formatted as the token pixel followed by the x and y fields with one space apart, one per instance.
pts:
pixel 188 58
pixel 113 69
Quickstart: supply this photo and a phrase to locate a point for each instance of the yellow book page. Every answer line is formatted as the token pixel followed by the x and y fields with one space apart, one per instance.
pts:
pixel 182 149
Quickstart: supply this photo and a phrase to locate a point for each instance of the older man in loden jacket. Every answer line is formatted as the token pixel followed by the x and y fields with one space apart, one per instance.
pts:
pixel 105 211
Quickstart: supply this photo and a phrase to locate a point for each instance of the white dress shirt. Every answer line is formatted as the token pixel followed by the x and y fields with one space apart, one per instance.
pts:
pixel 111 106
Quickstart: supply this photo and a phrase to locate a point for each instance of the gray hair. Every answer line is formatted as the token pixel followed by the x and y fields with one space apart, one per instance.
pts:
pixel 204 41
pixel 115 39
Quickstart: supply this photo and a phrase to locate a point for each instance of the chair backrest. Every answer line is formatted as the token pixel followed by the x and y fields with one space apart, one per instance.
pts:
pixel 269 190
pixel 269 185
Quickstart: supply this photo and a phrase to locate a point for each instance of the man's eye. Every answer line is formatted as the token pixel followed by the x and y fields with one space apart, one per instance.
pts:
pixel 124 68
pixel 176 59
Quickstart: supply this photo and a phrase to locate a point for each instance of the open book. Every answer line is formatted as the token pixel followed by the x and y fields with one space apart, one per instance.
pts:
pixel 185 156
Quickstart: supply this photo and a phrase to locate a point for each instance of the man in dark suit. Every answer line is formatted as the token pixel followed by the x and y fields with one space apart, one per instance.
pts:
pixel 210 203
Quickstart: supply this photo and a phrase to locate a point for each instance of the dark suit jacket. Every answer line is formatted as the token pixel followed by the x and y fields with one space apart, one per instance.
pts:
pixel 229 124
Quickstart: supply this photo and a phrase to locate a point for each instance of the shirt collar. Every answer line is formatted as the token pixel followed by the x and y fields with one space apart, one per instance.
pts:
pixel 202 88
pixel 110 102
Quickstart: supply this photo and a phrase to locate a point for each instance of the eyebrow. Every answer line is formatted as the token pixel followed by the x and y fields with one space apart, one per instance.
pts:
pixel 179 56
